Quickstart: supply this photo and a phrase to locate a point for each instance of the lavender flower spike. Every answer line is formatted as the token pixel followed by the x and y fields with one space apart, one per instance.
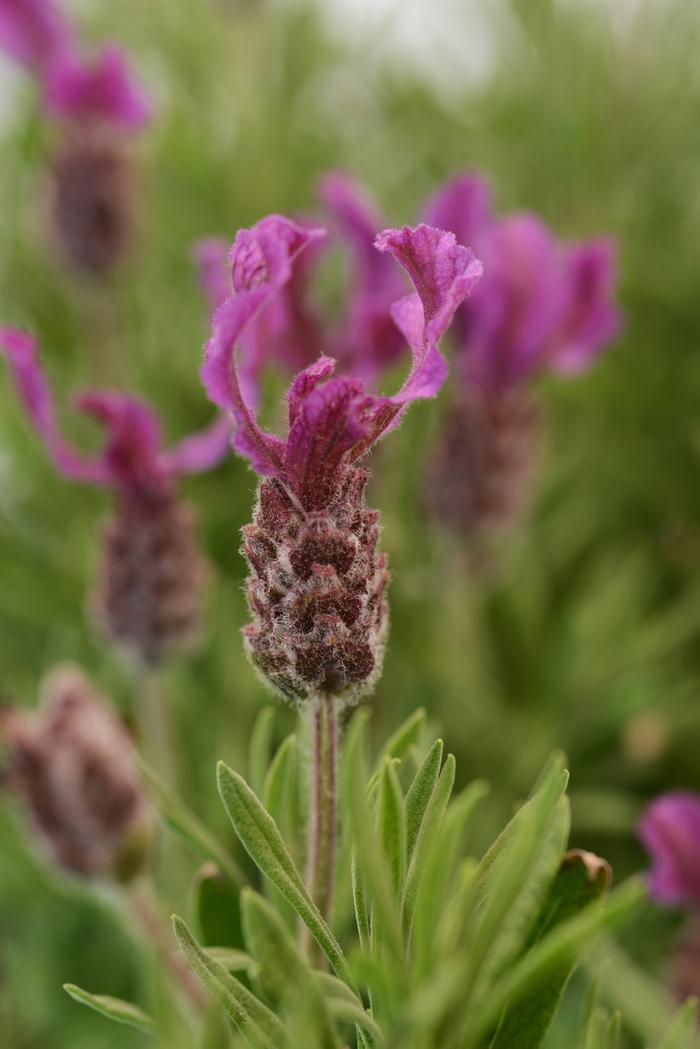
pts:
pixel 670 831
pixel 152 571
pixel 73 765
pixel 317 588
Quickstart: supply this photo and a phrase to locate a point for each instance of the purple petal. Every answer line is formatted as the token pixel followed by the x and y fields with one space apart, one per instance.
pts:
pixel 201 451
pixel 509 323
pixel 367 340
pixel 262 261
pixel 104 89
pixel 463 207
pixel 443 273
pixel 211 258
pixel 591 319
pixel 21 351
pixel 670 831
pixel 34 32
pixel 131 458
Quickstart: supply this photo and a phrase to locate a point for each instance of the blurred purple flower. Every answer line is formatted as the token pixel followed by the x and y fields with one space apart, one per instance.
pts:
pixel 73 765
pixel 152 572
pixel 133 458
pixel 670 831
pixel 36 33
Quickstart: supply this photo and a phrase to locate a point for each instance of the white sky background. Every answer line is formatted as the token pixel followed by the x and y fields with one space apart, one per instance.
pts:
pixel 450 41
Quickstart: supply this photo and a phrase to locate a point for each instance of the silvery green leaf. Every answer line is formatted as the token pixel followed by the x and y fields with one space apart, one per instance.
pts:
pixel 581 879
pixel 392 824
pixel 419 794
pixel 425 840
pixel 562 946
pixel 113 1008
pixel 262 840
pixel 256 1023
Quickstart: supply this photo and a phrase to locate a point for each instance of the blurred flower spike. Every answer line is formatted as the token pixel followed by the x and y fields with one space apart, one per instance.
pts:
pixel 317 589
pixel 152 571
pixel 72 764
pixel 36 34
pixel 98 105
pixel 670 832
pixel 542 307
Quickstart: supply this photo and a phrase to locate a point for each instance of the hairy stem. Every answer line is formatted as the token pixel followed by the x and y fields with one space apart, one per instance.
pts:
pixel 156 737
pixel 323 802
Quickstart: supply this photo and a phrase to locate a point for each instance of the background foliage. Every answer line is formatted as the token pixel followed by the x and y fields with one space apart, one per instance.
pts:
pixel 588 638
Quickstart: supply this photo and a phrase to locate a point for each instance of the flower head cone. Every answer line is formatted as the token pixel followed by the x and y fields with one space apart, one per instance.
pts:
pixel 317 589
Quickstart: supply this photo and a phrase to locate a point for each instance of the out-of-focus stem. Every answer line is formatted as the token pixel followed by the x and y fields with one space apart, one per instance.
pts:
pixel 154 723
pixel 155 929
pixel 323 802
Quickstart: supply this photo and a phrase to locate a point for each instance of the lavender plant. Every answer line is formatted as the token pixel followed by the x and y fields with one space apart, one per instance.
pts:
pixel 97 106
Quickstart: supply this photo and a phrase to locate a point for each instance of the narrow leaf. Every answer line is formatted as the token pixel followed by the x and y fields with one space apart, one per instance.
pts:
pixel 258 1025
pixel 683 1031
pixel 392 824
pixel 263 842
pixel 582 878
pixel 282 964
pixel 113 1008
pixel 420 792
pixel 277 780
pixel 425 841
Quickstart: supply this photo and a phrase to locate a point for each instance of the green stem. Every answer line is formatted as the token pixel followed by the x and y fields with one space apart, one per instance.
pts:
pixel 323 802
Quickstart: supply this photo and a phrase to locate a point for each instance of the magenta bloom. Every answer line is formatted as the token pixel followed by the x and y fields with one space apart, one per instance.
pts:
pixel 152 572
pixel 542 306
pixel 332 420
pixel 670 831
pixel 36 33
pixel 317 589
pixel 291 332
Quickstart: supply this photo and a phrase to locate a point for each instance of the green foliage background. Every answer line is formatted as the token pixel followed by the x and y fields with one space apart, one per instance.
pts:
pixel 588 640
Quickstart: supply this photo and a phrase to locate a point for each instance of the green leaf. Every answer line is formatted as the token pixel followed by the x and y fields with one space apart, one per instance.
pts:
pixel 188 826
pixel 217 907
pixel 425 841
pixel 370 857
pixel 233 961
pixel 419 794
pixel 216 1031
pixel 263 842
pixel 406 736
pixel 283 967
pixel 514 877
pixel 260 749
pixel 361 906
pixel 683 1031
pixel 392 824
pixel 582 878
pixel 113 1008
pixel 258 1025
pixel 439 876
pixel 561 947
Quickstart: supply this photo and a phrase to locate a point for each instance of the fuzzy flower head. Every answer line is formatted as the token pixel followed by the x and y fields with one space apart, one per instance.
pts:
pixel 152 573
pixel 670 832
pixel 317 589
pixel 73 766
pixel 542 305
pixel 99 88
